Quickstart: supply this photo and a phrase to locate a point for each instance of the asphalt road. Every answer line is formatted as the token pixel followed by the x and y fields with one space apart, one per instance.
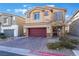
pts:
pixel 3 53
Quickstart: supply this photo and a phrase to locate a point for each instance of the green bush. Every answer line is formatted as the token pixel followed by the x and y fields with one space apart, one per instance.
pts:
pixel 69 44
pixel 2 36
pixel 53 45
pixel 60 46
pixel 74 41
pixel 63 38
pixel 66 39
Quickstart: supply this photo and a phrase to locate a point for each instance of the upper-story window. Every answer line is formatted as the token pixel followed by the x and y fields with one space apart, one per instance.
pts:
pixel 46 13
pixel 37 15
pixel 5 20
pixel 58 16
pixel 11 20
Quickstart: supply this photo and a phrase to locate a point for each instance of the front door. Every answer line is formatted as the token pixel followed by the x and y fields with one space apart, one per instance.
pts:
pixel 55 31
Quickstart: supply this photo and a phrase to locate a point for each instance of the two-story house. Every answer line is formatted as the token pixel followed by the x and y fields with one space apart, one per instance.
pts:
pixel 11 25
pixel 74 23
pixel 44 22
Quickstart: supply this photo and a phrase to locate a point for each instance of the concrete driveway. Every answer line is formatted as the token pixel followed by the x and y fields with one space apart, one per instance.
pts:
pixel 34 43
pixel 27 43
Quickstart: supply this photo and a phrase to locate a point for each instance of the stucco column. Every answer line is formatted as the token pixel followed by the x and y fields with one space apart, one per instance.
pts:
pixel 62 31
pixel 0 27
pixel 49 32
pixel 26 31
pixel 63 25
pixel 42 18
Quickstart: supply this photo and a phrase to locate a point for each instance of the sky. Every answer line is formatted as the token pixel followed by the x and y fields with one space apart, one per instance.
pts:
pixel 20 8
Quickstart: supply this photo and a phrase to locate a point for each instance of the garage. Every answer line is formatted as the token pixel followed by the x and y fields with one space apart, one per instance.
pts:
pixel 37 32
pixel 9 32
pixel 74 29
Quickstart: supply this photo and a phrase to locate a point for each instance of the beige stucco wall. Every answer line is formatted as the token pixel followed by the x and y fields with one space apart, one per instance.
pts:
pixel 43 19
pixel 20 22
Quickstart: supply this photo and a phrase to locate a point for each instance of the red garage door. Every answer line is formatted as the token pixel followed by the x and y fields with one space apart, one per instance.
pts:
pixel 37 32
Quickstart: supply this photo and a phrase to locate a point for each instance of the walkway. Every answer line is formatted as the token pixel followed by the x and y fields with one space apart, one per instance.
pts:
pixel 76 52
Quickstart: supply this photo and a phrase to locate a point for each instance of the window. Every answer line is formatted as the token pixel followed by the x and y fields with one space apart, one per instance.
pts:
pixel 36 15
pixel 5 20
pixel 11 20
pixel 46 13
pixel 58 16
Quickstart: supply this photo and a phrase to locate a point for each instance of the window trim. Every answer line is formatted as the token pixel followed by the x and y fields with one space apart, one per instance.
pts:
pixel 58 16
pixel 36 16
pixel 6 23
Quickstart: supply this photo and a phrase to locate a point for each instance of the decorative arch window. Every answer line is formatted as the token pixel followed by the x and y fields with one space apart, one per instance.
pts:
pixel 37 15
pixel 58 16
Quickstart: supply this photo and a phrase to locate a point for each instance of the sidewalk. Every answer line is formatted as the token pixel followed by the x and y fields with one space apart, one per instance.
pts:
pixel 73 37
pixel 76 52
pixel 27 52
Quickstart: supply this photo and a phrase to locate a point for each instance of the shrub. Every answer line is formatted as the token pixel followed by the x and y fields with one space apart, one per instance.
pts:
pixel 54 45
pixel 2 36
pixel 63 38
pixel 69 44
pixel 64 42
pixel 75 42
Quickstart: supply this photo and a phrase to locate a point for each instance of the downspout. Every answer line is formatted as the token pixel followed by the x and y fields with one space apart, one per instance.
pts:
pixel 0 27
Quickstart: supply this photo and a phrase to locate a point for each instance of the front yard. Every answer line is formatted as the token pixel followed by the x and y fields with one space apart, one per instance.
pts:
pixel 52 45
pixel 38 44
pixel 64 43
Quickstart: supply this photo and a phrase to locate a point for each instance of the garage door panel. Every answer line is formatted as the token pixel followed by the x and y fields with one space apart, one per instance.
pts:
pixel 9 32
pixel 37 32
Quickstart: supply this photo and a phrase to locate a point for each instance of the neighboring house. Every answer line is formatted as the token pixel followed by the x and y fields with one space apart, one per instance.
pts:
pixel 44 22
pixel 74 24
pixel 11 25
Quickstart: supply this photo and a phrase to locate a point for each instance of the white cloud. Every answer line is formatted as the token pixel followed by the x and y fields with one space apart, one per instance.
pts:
pixel 67 17
pixel 24 5
pixel 29 8
pixel 8 9
pixel 20 10
pixel 51 5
